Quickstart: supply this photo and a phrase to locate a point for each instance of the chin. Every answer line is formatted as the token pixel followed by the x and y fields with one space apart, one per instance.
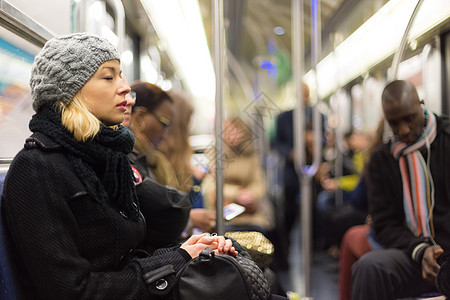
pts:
pixel 113 122
pixel 410 140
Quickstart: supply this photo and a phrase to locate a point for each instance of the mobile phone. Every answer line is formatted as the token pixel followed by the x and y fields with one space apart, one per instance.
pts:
pixel 232 210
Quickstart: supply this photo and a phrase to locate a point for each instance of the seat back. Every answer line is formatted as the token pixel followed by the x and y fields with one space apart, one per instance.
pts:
pixel 9 287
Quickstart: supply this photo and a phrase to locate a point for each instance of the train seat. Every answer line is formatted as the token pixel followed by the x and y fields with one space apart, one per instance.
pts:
pixel 8 277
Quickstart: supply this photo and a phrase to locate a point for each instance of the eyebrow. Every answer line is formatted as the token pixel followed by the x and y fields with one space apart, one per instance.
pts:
pixel 113 69
pixel 110 68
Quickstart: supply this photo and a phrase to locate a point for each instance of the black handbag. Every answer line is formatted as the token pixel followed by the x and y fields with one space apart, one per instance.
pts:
pixel 221 277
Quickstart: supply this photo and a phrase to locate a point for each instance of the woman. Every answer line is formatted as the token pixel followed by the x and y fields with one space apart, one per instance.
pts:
pixel 69 202
pixel 175 145
pixel 153 114
pixel 178 151
pixel 151 118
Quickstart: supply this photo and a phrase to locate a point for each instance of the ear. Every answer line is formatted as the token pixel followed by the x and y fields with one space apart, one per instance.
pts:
pixel 139 110
pixel 137 117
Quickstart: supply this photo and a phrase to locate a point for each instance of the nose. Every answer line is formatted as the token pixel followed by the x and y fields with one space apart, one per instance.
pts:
pixel 403 129
pixel 131 98
pixel 124 88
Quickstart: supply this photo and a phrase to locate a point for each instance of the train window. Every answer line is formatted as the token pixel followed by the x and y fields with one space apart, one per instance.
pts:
pixel 446 73
pixel 15 104
pixel 110 20
pixel 127 59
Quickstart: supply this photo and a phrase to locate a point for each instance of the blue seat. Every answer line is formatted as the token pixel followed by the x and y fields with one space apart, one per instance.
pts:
pixel 9 287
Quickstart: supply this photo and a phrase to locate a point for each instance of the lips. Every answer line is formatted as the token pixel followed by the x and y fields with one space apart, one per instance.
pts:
pixel 122 105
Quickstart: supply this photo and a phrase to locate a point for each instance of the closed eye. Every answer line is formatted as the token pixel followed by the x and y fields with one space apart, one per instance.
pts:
pixel 410 118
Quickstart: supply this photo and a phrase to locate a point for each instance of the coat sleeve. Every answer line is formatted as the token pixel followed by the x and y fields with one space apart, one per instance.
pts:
pixel 45 234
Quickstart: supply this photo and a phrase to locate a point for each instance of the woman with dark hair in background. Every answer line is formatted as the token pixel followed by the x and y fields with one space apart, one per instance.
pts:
pixel 178 151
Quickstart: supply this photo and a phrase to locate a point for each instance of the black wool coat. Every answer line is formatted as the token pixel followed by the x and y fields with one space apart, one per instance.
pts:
pixel 69 246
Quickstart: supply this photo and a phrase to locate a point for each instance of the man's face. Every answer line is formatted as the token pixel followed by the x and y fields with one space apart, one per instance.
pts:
pixel 406 119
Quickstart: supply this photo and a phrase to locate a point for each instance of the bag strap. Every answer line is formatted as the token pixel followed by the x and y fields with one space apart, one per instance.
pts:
pixel 206 256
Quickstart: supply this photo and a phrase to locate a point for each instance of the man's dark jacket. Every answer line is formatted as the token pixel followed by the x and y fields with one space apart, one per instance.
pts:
pixel 386 194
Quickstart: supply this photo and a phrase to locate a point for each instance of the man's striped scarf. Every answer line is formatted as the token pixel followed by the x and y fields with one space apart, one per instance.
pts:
pixel 416 179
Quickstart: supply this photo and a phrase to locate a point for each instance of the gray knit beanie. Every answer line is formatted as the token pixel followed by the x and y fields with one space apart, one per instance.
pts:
pixel 65 64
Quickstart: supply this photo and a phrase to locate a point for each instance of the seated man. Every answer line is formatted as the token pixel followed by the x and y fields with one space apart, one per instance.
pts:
pixel 409 200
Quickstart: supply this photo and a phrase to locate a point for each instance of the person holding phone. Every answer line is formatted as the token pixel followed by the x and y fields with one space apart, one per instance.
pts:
pixel 244 180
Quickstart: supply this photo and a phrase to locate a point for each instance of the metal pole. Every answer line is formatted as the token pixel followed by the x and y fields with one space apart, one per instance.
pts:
pixel 219 56
pixel 298 68
pixel 299 141
pixel 339 146
pixel 316 49
pixel 399 54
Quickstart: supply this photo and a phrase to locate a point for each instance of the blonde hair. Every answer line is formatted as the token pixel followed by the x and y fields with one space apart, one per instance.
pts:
pixel 77 119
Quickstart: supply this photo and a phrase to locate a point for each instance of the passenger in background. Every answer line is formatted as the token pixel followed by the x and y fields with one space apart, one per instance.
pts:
pixel 177 149
pixel 175 146
pixel 165 209
pixel 244 180
pixel 334 218
pixel 69 204
pixel 359 239
pixel 284 145
pixel 150 120
pixel 408 200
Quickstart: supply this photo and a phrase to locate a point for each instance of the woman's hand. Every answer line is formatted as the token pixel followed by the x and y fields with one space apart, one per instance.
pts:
pixel 224 246
pixel 196 243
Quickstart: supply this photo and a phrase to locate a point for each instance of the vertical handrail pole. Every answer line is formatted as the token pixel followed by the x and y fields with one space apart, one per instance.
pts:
pixel 299 137
pixel 399 54
pixel 339 148
pixel 219 56
pixel 316 49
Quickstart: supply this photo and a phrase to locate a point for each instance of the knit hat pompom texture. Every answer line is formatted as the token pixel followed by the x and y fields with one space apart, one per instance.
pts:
pixel 64 66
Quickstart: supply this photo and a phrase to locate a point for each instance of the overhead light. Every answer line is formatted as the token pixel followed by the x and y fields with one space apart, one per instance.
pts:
pixel 179 25
pixel 378 38
pixel 278 30
pixel 126 57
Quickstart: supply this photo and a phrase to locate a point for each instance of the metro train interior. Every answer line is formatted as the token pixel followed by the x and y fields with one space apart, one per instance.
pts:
pixel 248 59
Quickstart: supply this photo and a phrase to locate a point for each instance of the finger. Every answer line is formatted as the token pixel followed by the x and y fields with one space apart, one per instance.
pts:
pixel 221 241
pixel 437 252
pixel 194 239
pixel 426 274
pixel 429 271
pixel 206 239
pixel 233 252
pixel 227 246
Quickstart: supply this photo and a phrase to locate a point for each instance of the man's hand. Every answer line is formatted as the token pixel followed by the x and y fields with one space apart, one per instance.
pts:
pixel 429 263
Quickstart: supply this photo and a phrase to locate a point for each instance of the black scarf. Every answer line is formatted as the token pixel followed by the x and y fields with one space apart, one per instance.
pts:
pixel 100 163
